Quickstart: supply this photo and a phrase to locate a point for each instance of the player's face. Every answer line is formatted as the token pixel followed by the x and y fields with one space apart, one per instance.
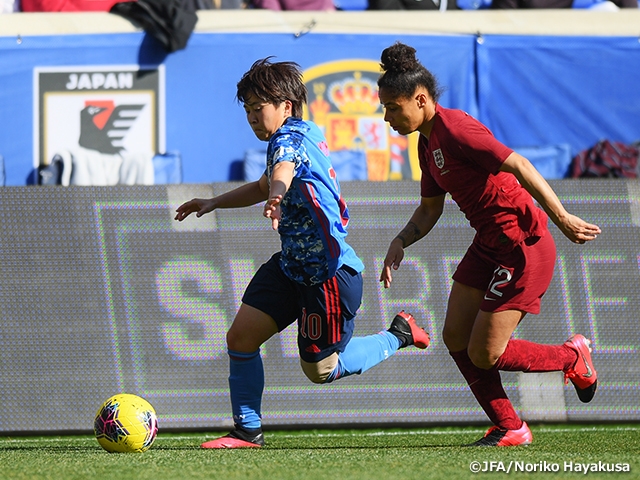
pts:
pixel 404 115
pixel 265 118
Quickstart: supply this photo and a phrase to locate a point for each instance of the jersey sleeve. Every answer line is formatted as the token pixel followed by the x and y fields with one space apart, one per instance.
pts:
pixel 477 143
pixel 288 147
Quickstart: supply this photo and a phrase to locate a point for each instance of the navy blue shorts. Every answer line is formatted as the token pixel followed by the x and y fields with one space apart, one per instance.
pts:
pixel 325 312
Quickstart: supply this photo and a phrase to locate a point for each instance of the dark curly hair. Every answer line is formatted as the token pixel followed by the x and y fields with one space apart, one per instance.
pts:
pixel 274 83
pixel 403 73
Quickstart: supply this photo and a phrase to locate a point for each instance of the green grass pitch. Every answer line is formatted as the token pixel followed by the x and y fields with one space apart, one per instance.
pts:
pixel 565 451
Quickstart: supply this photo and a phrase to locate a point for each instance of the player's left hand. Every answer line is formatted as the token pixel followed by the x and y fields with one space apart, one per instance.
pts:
pixel 272 210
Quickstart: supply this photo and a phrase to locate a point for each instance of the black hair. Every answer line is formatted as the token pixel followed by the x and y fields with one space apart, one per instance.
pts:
pixel 274 83
pixel 403 73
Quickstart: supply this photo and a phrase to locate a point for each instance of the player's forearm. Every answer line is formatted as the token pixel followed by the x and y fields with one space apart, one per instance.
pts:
pixel 243 196
pixel 537 186
pixel 422 222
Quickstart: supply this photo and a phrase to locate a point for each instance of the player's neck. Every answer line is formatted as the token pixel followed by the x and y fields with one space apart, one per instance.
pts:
pixel 429 120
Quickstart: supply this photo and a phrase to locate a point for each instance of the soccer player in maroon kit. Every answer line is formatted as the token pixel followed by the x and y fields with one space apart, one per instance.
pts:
pixel 510 263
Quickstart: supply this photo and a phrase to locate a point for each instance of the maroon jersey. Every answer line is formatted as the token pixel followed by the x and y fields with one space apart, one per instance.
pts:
pixel 463 158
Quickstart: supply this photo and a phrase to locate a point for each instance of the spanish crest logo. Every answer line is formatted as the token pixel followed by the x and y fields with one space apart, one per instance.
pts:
pixel 344 103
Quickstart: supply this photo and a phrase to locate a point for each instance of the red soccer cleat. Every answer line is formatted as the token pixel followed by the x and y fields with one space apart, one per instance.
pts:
pixel 583 374
pixel 238 438
pixel 404 327
pixel 497 437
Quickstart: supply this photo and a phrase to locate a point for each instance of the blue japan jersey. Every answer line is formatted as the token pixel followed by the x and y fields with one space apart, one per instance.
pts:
pixel 314 216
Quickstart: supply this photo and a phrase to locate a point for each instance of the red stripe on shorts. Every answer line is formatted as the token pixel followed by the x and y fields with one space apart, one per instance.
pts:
pixel 334 313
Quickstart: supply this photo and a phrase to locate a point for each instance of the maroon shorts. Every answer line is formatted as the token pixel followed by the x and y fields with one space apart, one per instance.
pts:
pixel 516 280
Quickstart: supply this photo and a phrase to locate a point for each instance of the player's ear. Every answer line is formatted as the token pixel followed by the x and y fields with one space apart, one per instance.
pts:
pixel 421 99
pixel 288 108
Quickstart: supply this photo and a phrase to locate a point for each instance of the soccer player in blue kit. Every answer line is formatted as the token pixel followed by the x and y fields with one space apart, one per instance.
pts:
pixel 316 277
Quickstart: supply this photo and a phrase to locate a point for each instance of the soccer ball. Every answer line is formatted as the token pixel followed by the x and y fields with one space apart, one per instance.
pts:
pixel 126 423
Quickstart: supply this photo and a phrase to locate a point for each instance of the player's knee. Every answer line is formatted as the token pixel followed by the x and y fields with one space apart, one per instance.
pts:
pixel 233 340
pixel 452 340
pixel 316 376
pixel 241 342
pixel 447 339
pixel 482 358
pixel 320 372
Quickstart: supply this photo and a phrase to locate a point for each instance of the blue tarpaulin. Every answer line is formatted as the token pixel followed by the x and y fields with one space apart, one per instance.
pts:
pixel 529 90
pixel 538 90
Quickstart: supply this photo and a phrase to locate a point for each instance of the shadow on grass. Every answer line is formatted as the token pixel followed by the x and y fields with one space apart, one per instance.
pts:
pixel 362 447
pixel 51 449
pixel 84 449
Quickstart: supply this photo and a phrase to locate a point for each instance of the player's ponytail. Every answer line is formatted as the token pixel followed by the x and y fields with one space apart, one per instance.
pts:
pixel 399 58
pixel 403 73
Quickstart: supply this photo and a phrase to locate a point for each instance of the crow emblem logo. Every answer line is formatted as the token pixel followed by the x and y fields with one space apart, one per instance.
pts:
pixel 104 125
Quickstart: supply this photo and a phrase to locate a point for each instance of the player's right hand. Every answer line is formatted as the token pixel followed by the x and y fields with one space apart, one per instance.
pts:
pixel 199 206
pixel 272 210
pixel 394 257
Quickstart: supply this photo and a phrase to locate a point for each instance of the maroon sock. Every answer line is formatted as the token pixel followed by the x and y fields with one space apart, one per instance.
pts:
pixel 486 386
pixel 524 356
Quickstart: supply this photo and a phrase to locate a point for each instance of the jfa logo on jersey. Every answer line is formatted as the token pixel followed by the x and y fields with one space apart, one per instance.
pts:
pixel 107 109
pixel 438 158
